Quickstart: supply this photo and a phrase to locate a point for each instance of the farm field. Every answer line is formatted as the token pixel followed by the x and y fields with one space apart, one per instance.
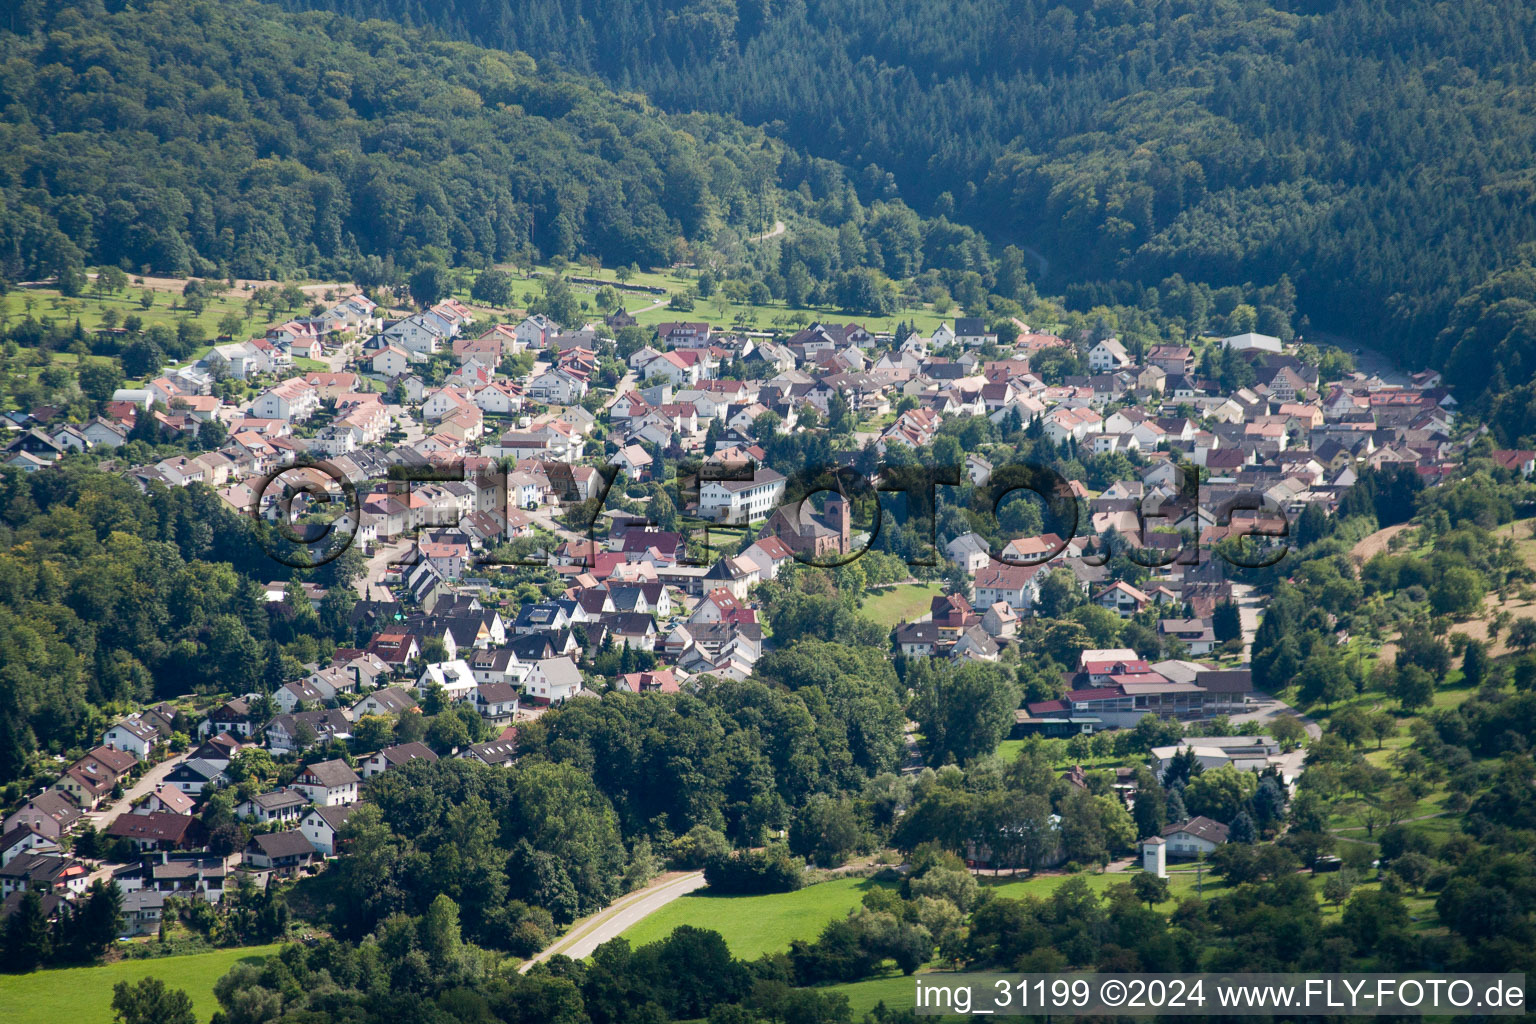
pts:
pixel 754 925
pixel 83 995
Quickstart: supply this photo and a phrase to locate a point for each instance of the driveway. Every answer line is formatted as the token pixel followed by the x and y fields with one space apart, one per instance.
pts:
pixel 590 932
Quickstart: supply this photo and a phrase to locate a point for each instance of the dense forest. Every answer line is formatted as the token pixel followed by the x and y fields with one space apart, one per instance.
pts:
pixel 231 139
pixel 110 597
pixel 1380 155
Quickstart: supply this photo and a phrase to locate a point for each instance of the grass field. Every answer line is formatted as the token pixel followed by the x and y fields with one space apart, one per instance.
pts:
pixel 1183 881
pixel 83 995
pixel 716 309
pixel 754 925
pixel 901 603
pixel 897 991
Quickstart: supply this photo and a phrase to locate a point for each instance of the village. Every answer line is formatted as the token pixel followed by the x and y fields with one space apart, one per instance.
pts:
pixel 527 413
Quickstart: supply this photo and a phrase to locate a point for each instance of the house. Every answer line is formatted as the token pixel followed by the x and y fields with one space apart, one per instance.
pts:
pixel 280 805
pixel 142 912
pixel 328 783
pixel 50 814
pixel 660 681
pixel 22 839
pixel 970 551
pixel 166 798
pixel 975 644
pixel 1108 356
pixel 1000 620
pixel 1174 360
pixel 279 851
pixel 917 639
pixel 395 756
pixel 496 702
pixel 390 700
pixel 1251 342
pixel 1122 599
pixel 43 873
pixel 458 678
pixel 196 774
pixel 1197 635
pixel 741 500
pixel 1017 585
pixel 189 875
pixel 971 331
pixel 158 830
pixel 233 716
pixel 499 752
pixel 134 735
pixel 320 826
pixel 553 680
pixel 289 733
pixel 536 331
pixel 1194 836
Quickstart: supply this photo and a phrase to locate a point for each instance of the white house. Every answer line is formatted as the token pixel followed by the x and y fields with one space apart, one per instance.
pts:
pixel 1107 356
pixel 552 681
pixel 328 783
pixel 320 826
pixel 1198 835
pixel 741 501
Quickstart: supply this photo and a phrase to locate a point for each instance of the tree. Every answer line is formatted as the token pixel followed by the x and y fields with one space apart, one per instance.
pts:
pixel 1220 793
pixel 1336 889
pixel 1149 888
pixel 1475 663
pixel 1287 731
pixel 492 288
pixel 1243 829
pixel 825 830
pixel 99 379
pixel 1522 634
pixel 150 1002
pixel 430 283
pixel 1226 622
pixel 965 713
pixel 1414 687
pixel 1458 591
pixel 28 943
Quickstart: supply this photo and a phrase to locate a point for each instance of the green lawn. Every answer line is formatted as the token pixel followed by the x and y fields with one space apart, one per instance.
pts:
pixel 1183 882
pixel 897 991
pixel 83 995
pixel 716 309
pixel 754 925
pixel 901 603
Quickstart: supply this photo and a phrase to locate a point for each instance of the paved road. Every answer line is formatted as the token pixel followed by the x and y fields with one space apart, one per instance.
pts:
pixel 1248 605
pixel 370 585
pixel 625 385
pixel 100 818
pixel 1270 708
pixel 590 932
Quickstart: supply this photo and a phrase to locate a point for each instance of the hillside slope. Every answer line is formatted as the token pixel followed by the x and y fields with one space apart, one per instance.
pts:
pixel 233 138
pixel 1378 154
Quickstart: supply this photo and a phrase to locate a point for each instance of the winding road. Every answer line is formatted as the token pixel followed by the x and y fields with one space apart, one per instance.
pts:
pixel 590 932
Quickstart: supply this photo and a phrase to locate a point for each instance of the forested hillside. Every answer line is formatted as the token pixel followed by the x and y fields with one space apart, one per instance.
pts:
pixel 1378 154
pixel 214 138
